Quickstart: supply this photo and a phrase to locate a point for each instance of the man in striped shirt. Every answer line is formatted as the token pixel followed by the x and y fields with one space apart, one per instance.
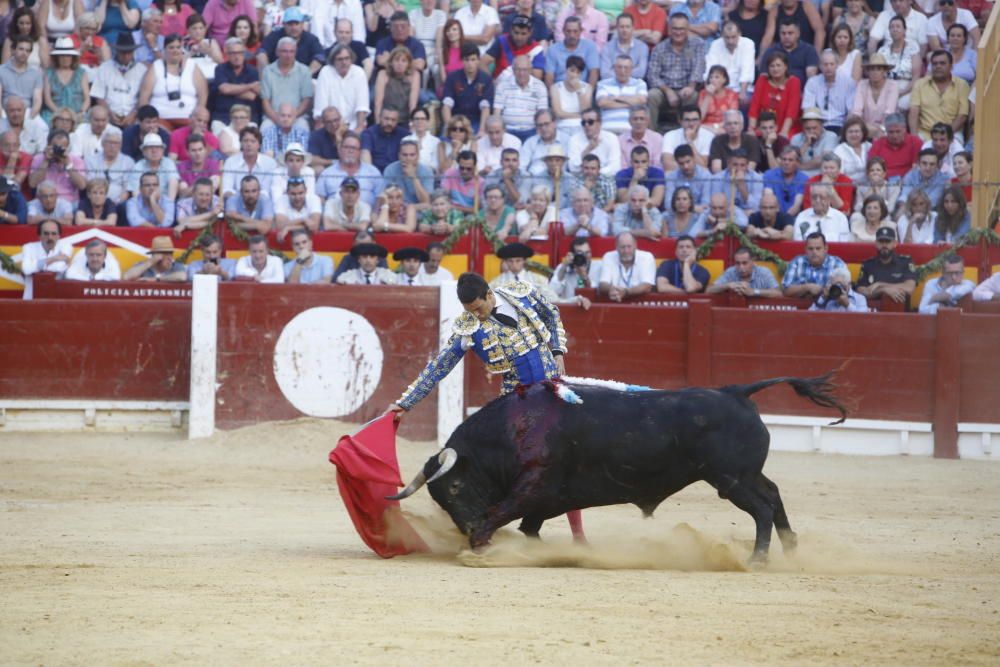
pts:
pixel 518 97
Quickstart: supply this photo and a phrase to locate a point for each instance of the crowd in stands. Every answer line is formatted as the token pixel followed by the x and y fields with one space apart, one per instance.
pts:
pixel 789 118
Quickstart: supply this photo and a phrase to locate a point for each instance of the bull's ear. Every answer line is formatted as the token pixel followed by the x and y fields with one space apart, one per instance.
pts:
pixel 447 459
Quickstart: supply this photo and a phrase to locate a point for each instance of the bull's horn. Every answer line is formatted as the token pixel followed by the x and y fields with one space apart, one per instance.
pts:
pixel 447 459
pixel 411 488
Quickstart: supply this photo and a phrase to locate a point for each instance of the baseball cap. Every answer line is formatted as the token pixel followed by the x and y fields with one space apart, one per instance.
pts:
pixel 350 182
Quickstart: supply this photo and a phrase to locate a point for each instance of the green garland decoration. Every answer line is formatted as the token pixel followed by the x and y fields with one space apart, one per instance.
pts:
pixel 972 238
pixel 707 246
pixel 469 222
pixel 8 264
pixel 205 231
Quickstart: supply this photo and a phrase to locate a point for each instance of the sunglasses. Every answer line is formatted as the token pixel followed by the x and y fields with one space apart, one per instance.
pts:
pixel 589 121
pixel 296 180
pixel 946 3
pixel 456 129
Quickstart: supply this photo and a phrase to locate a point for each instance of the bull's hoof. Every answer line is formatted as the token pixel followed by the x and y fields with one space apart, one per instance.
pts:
pixel 757 561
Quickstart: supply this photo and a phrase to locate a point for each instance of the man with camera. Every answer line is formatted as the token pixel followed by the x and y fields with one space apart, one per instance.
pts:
pixel 213 263
pixel 56 165
pixel 578 270
pixel 838 296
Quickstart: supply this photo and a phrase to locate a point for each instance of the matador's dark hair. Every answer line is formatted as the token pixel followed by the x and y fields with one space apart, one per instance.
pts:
pixel 472 286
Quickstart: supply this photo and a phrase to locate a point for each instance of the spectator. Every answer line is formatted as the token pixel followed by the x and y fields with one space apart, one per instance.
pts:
pixel 229 135
pixel 86 140
pixel 96 208
pixel 244 29
pixel 468 92
pixel 66 83
pixel 639 135
pixel 463 183
pixel 536 148
pixel 440 218
pixel 427 143
pixel 939 98
pixel 249 161
pixel 221 14
pixel 988 290
pixel 740 185
pixel 617 94
pixel 24 23
pixel 368 272
pixel 594 23
pixel 161 267
pixel 308 51
pixel 577 270
pixel 691 175
pixel 112 165
pixel 153 160
pixel 212 262
pixel 822 217
pixel 914 23
pixel 235 83
pixel 947 290
pixel 174 85
pixel 198 124
pixel 432 274
pixel 346 211
pixel 716 99
pixel 558 54
pixel 636 216
pixel 571 97
pixel 19 79
pixel 56 166
pixel 449 51
pixel 512 181
pixel 805 18
pixel 519 96
pixel 778 93
pixel 260 265
pixel 899 149
pixel 50 254
pixel 903 56
pixel 787 181
pixel 649 20
pixel 540 31
pixel 297 209
pixel 377 15
pixel 583 218
pixel 14 163
pixel 480 24
pixel 490 147
pixel 397 87
pixel 414 179
pixel 426 20
pixel 410 261
pixel 534 219
pixel 918 220
pixel 717 217
pixel 962 53
pixel 839 296
pixel 197 166
pixel 705 18
pixel 149 36
pixel 307 267
pixel 682 275
pixel 770 222
pixel 13 208
pixel 175 16
pixel 808 274
pixel 625 43
pixel 954 219
pixel 31 133
pixel 845 50
pixel 746 278
pixel 286 81
pixel 134 135
pixel 853 149
pixel 946 146
pixel 939 25
pixel 841 187
pixel 601 187
pixel 676 69
pixel 277 137
pixel 120 17
pixel 736 54
pixel 681 218
pixel 350 165
pixel 857 18
pixel 876 96
pixel 813 142
pixel 555 177
pixel 873 217
pixel 771 143
pixel 925 176
pixel 594 140
pixel 733 139
pixel 150 207
pixel 516 44
pixel 251 209
pixel 324 141
pixel 641 173
pixel 887 275
pixel 801 58
pixel 626 270
pixel 459 137
pixel 393 213
pixel 206 53
pixel 198 211
pixel 831 93
pixel 515 256
pixel 94 262
pixel 962 164
pixel 875 184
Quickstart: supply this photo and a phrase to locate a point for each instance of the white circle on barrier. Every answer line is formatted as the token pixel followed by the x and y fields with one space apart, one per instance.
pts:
pixel 328 361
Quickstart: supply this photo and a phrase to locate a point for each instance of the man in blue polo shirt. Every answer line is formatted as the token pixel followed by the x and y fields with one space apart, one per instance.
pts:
pixel 468 91
pixel 641 173
pixel 787 181
pixel 380 143
pixel 13 208
pixel 803 61
pixel 400 35
pixel 572 45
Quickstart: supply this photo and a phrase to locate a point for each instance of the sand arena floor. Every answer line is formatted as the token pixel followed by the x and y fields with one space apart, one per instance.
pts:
pixel 148 549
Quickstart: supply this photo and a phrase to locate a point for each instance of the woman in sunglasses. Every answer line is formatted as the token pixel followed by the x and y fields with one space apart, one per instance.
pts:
pixel 457 138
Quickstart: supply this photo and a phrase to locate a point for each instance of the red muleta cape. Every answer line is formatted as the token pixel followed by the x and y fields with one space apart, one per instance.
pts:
pixel 367 472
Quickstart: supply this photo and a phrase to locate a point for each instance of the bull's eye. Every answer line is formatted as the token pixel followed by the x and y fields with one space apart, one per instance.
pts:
pixel 455 487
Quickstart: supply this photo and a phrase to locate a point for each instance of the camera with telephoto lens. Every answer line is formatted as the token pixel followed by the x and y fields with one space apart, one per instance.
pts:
pixel 58 151
pixel 579 259
pixel 835 292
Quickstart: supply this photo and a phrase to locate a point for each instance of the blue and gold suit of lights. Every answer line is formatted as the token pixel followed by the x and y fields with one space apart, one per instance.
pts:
pixel 521 354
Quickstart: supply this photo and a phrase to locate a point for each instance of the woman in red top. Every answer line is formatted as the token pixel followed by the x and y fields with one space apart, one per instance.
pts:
pixel 778 93
pixel 962 163
pixel 716 98
pixel 92 47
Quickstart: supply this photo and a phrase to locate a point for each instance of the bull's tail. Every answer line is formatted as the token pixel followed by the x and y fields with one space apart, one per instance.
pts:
pixel 820 390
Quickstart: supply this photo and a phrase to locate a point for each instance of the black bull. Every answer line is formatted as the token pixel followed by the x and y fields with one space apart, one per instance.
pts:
pixel 532 456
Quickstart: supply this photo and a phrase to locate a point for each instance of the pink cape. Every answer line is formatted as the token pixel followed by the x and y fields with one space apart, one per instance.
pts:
pixel 367 472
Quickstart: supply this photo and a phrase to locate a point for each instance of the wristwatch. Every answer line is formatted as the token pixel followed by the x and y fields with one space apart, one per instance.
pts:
pixel 756 292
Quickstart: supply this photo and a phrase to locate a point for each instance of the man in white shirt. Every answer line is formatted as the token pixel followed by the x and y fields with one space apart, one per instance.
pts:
pixel 916 25
pixel 737 55
pixel 489 148
pixel 116 83
pixel 988 290
pixel 86 139
pixel 582 218
pixel 94 262
pixel 297 209
pixel 593 139
pixel 432 273
pixel 51 254
pixel 480 24
pixel 260 266
pixel 324 14
pixel 822 218
pixel 627 271
pixel 344 86
pixel 691 133
pixel 950 14
pixel 617 94
pixel 947 290
pixel 535 149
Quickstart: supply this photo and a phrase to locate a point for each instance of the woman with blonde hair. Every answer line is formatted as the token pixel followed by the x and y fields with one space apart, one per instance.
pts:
pixel 917 223
pixel 66 83
pixel 93 48
pixel 229 135
pixel 394 215
pixel 458 137
pixel 398 85
pixel 534 219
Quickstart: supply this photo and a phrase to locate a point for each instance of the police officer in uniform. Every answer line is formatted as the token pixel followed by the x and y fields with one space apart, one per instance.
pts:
pixel 887 275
